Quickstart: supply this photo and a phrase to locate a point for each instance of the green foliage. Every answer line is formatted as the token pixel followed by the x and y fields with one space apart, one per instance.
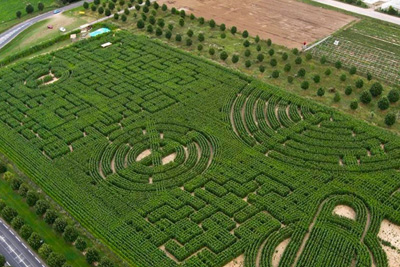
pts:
pixel 44 251
pixel 301 72
pixel 275 74
pixel 348 90
pixel 35 241
pixel 25 231
pixel 92 255
pixel 365 97
pixel 31 198
pixel 17 223
pixel 8 214
pixel 337 97
pixel 80 244
pixel 305 85
pixel 383 103
pixel 393 96
pixel 223 56
pixel 70 234
pixel 321 91
pixel 56 260
pixel 376 89
pixel 354 104
pixel 60 224
pixel 390 119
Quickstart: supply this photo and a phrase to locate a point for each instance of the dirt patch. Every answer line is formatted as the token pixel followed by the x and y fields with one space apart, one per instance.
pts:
pixel 168 159
pixel 345 211
pixel 276 258
pixel 144 154
pixel 285 22
pixel 238 262
pixel 390 232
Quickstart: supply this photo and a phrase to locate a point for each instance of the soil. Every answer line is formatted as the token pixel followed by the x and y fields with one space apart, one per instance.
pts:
pixel 345 211
pixel 238 262
pixel 285 22
pixel 144 154
pixel 168 159
pixel 279 252
pixel 391 233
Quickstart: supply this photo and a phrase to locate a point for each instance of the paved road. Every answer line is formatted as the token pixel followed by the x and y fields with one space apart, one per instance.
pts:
pixel 10 34
pixel 369 12
pixel 14 249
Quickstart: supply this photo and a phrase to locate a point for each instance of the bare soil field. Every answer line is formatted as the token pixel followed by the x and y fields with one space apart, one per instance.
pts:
pixel 285 22
pixel 390 232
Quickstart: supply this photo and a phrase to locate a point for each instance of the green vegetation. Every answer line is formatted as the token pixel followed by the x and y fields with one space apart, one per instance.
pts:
pixel 154 150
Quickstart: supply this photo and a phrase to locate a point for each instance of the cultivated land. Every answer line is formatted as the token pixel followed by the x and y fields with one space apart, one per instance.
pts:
pixel 253 165
pixel 288 23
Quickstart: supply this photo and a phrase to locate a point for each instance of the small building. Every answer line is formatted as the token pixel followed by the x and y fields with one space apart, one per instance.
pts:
pixel 73 37
pixel 106 44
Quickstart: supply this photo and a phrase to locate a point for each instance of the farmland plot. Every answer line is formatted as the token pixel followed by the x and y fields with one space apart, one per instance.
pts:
pixel 171 160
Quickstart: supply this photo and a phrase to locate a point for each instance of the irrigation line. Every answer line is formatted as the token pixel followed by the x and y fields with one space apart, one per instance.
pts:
pixel 317 43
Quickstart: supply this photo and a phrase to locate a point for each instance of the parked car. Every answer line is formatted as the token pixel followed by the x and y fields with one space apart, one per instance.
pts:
pixel 56 11
pixel 62 29
pixel 50 27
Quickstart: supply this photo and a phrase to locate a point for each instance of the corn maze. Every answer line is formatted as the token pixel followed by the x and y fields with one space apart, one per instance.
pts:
pixel 171 160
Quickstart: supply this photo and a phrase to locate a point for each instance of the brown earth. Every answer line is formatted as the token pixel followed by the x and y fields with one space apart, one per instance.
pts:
pixel 285 22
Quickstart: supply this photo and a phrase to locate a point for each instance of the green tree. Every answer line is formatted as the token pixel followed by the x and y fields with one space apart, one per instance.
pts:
pixel 35 241
pixel 301 72
pixel 106 262
pixel 50 216
pixel 338 64
pixel 60 224
pixel 100 10
pixel 25 231
pixel 92 255
pixel 271 52
pixel 247 63
pixel 40 6
pixel 245 34
pixel 211 51
pixel 149 28
pixel 17 223
pixel 70 234
pixel 108 13
pixel 201 37
pixel 260 57
pixel 275 74
pixel 359 83
pixel 189 42
pixel 321 91
pixel 273 62
pixel 287 67
pixel 393 96
pixel 323 60
pixel 23 189
pixel 164 7
pixel 328 72
pixel 18 14
pixel 246 43
pixel 168 34
pixel 235 59
pixel 390 119
pixel 365 97
pixel 305 85
pixel 343 77
pixel 8 214
pixel 285 56
pixel 2 260
pixel 44 251
pixel 223 55
pixel 353 70
pixel 317 78
pixel 85 5
pixel 15 183
pixel 354 104
pixel 31 198
pixel 269 42
pixel 211 23
pixel 337 97
pixel 233 30
pixel 29 9
pixel 116 17
pixel 56 260
pixel 247 53
pixel 376 89
pixel 383 103
pixel 80 244
pixel 124 18
pixel 222 27
pixel 298 60
pixel 308 56
pixel 41 206
pixel 348 90
pixel 262 69
pixel 140 24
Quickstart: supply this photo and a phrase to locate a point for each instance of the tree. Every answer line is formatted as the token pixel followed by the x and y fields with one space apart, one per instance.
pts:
pixel 159 31
pixel 93 8
pixel 178 38
pixel 92 255
pixel 247 64
pixel 211 23
pixel 18 14
pixel 271 52
pixel 17 223
pixel 140 24
pixel 390 119
pixel 308 56
pixel 365 97
pixel 273 62
pixel 222 27
pixel 338 64
pixel 376 89
pixel 201 20
pixel 80 244
pixel 353 70
pixel 25 231
pixel 2 260
pixel 287 67
pixel 70 234
pixel 223 56
pixel 301 72
pixel 161 23
pixel 29 9
pixel 31 198
pixel 258 48
pixel 348 90
pixel 211 51
pixel 116 17
pixel 343 77
pixel 168 34
pixel 189 42
pixel 295 51
pixel 181 22
pixel 105 262
pixel 323 60
pixel 100 10
pixel 298 60
pixel 50 216
pixel 44 251
pixel 393 96
pixel 354 104
pixel 305 85
pixel 8 214
pixel 257 39
pixel 35 241
pixel 121 2
pixel 359 83
pixel 262 69
pixel 201 37
pixel 275 74
pixel 146 9
pixel 290 79
pixel 96 2
pixel 269 42
pixel 164 7
pixel 60 224
pixel 23 189
pixel 233 30
pixel 2 205
pixel 260 57
pixel 108 13
pixel 124 18
pixel 337 97
pixel 190 33
pixel 247 52
pixel 56 260
pixel 15 183
pixel 246 43
pixel 41 206
pixel 316 78
pixel 111 5
pixel 245 34
pixel 40 6
pixel 328 72
pixel 383 103
pixel 235 59
pixel 369 76
pixel 285 56
pixel 321 91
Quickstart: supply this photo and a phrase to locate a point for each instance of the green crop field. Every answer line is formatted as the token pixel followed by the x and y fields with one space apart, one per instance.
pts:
pixel 172 160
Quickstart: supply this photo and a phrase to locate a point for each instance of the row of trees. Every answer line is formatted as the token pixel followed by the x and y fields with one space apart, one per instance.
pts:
pixel 43 209
pixel 29 9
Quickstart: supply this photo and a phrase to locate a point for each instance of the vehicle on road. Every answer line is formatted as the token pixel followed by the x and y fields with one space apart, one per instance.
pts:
pixel 56 11
pixel 50 27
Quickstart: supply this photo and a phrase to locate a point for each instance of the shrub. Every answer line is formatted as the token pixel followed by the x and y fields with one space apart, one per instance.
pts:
pixel 338 64
pixel 211 51
pixel 235 58
pixel 233 30
pixel 45 251
pixel 323 60
pixel 348 90
pixel 56 260
pixel 59 225
pixel 108 13
pixel 271 52
pixel 316 78
pixel 168 35
pixel 248 63
pixel 159 31
pixel 223 35
pixel 285 56
pixel 390 119
pixel 321 91
pixel 275 74
pixel 301 72
pixel 192 16
pixel 140 24
pixel 29 9
pixel 70 234
pixel 17 223
pixel 222 27
pixel 295 51
pixel 246 43
pixel 105 262
pixel 290 79
pixel 15 183
pixel 287 67
pixel 258 48
pixel 190 33
pixel 124 18
pixel 369 76
pixel 269 42
pixel 328 72
pixel 126 11
pixel 262 69
pixel 2 204
pixel 19 13
pixel 50 216
pixel 178 38
pixel 353 70
pixel 211 23
pixel 93 8
pixel 354 104
pixel 201 21
pixel 100 10
pixel 181 22
pixel 164 7
pixel 305 85
pixel 23 189
pixel 260 57
pixel 189 42
pixel 35 241
pixel 383 103
pixel 308 56
pixel 41 207
pixel 393 96
pixel 200 47
pixel 273 62
pixel 257 39
pixel 80 244
pixel 337 97
pixel 149 28
pixel 245 34
pixel 8 214
pixel 92 255
pixel 200 37
pixel 343 77
pixel 359 83
pixel 25 231
pixel 3 168
pixel 223 56
pixel 376 89
pixel 365 97
pixel 247 53
pixel 298 60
